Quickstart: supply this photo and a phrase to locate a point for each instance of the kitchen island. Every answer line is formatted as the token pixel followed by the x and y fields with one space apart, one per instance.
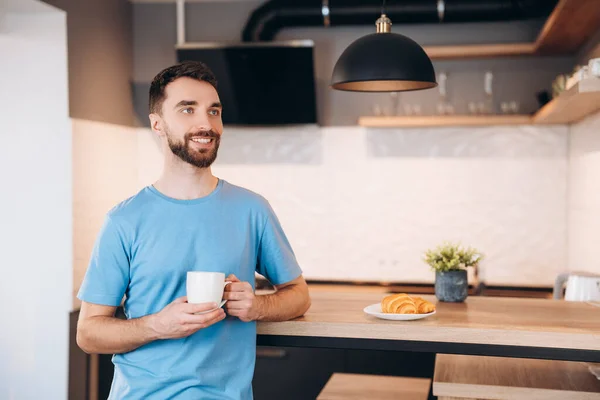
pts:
pixel 509 327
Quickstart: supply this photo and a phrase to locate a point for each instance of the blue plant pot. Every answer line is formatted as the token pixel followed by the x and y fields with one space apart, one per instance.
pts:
pixel 451 286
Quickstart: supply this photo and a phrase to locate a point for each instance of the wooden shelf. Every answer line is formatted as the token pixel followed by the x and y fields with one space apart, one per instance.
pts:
pixel 479 51
pixel 443 120
pixel 569 26
pixel 571 106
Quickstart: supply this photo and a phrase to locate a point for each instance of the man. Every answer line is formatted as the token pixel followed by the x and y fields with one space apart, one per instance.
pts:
pixel 187 220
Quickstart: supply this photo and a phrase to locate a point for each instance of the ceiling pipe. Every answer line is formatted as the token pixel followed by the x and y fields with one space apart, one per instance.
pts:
pixel 180 22
pixel 267 20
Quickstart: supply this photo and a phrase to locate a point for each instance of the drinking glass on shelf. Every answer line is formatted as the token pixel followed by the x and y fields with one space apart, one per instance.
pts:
pixel 444 107
pixel 510 107
pixel 472 107
pixel 411 109
pixel 482 108
pixel 394 103
pixel 487 107
pixel 377 111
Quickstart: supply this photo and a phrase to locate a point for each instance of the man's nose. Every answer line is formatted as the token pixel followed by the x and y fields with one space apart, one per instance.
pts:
pixel 202 123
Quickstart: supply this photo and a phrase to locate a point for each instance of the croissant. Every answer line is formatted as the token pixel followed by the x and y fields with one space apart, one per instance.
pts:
pixel 402 303
pixel 423 306
pixel 399 304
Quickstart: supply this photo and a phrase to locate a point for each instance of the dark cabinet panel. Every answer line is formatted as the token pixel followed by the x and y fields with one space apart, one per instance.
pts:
pixel 294 373
pixel 393 363
pixel 78 363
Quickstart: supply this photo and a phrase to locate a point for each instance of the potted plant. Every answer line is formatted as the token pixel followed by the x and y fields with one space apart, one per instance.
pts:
pixel 450 262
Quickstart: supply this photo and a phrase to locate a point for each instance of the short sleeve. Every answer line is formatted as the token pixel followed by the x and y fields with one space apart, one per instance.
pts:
pixel 107 276
pixel 276 259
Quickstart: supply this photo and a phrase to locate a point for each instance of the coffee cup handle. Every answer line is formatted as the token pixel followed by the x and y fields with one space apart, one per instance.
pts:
pixel 222 303
pixel 559 283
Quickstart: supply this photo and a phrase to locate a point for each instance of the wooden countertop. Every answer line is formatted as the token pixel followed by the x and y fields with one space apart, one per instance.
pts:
pixel 479 320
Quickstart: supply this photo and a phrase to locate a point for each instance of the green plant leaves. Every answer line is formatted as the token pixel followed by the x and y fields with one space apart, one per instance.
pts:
pixel 450 257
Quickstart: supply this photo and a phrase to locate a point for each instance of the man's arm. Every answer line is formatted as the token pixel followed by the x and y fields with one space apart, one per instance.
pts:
pixel 291 300
pixel 99 331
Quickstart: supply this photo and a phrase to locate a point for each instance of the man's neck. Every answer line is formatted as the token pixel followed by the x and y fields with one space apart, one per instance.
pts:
pixel 183 181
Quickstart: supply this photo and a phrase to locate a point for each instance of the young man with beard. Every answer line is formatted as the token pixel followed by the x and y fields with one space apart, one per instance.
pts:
pixel 187 220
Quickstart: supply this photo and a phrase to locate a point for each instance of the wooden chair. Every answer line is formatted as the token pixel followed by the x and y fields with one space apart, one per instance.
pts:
pixel 479 377
pixel 374 387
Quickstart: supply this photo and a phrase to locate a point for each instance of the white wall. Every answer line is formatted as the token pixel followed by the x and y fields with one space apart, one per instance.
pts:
pixel 35 206
pixel 584 195
pixel 362 204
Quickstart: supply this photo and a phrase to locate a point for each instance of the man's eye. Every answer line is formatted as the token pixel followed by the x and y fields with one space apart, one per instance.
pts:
pixel 188 110
pixel 215 112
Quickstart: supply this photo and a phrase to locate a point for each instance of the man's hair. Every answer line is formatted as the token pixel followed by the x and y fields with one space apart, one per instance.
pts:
pixel 191 69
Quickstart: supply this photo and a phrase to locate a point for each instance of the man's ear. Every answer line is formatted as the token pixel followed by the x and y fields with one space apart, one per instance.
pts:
pixel 156 124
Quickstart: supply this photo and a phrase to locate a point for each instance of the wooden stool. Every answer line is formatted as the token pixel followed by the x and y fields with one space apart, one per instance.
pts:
pixel 478 377
pixel 374 387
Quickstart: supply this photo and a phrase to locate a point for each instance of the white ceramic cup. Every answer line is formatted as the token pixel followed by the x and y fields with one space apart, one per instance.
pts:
pixel 581 286
pixel 205 287
pixel 594 67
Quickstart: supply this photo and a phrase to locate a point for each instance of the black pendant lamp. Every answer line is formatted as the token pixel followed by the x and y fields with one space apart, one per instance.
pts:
pixel 383 62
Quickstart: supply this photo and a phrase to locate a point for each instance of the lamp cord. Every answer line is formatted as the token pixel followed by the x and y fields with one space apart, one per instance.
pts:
pixel 383 7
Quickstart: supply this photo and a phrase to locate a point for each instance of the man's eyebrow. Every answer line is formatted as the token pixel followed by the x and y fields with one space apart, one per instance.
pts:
pixel 186 103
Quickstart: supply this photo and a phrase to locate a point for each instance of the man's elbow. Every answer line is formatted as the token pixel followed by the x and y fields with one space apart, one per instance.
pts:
pixel 305 304
pixel 83 340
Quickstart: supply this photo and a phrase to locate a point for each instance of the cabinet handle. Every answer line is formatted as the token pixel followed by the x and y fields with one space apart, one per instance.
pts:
pixel 270 353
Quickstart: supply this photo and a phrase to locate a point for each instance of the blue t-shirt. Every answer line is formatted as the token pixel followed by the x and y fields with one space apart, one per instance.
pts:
pixel 143 252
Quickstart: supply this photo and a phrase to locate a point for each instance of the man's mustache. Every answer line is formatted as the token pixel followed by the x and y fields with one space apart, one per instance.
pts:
pixel 209 134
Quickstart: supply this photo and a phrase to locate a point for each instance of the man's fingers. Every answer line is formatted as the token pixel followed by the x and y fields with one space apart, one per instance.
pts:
pixel 234 312
pixel 239 287
pixel 196 327
pixel 237 305
pixel 204 318
pixel 236 296
pixel 232 278
pixel 219 317
pixel 242 314
pixel 182 299
pixel 196 308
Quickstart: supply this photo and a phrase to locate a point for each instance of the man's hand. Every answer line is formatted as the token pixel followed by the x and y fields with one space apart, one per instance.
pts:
pixel 178 319
pixel 241 301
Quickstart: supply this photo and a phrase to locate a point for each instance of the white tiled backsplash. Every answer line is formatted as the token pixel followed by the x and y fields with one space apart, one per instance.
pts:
pixel 363 204
pixel 584 195
pixel 367 203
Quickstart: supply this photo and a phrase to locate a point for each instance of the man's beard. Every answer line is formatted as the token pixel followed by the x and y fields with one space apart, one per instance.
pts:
pixel 202 158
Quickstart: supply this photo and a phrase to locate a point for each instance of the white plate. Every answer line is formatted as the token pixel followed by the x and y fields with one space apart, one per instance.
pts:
pixel 375 310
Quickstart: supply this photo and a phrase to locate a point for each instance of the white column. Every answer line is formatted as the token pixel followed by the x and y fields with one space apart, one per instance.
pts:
pixel 35 202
